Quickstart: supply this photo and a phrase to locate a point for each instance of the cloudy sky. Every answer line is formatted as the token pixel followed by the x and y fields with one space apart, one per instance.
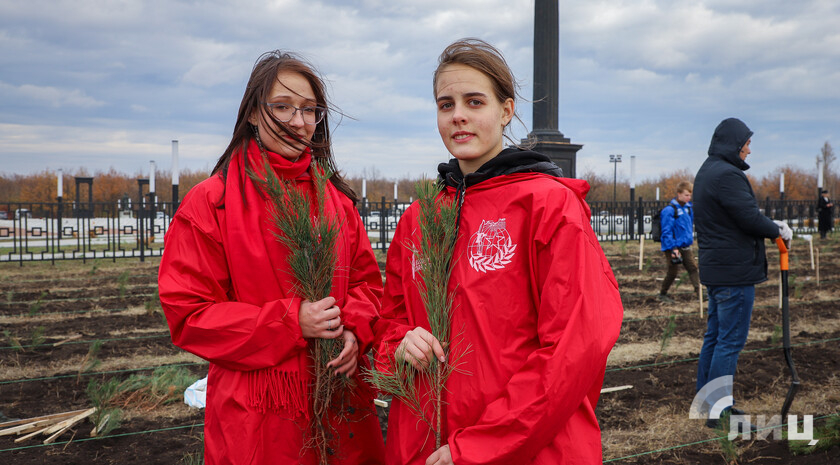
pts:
pixel 109 83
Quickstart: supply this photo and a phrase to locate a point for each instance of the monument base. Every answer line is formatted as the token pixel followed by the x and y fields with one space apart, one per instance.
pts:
pixel 558 147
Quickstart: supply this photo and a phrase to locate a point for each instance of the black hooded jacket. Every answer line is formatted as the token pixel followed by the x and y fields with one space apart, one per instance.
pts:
pixel 730 227
pixel 509 161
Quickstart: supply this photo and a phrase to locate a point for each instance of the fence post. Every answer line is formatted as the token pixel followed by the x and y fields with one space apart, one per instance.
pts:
pixel 140 227
pixel 383 235
pixel 641 218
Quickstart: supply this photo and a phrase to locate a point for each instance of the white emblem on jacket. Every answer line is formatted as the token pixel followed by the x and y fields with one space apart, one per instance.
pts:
pixel 416 266
pixel 490 247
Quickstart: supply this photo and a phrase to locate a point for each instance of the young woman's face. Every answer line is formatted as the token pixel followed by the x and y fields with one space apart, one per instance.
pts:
pixel 293 89
pixel 470 118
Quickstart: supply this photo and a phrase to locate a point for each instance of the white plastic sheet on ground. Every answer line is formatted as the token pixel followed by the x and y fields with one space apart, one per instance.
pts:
pixel 196 394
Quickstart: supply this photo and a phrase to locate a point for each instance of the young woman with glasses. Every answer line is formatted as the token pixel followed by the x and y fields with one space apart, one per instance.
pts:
pixel 535 299
pixel 229 295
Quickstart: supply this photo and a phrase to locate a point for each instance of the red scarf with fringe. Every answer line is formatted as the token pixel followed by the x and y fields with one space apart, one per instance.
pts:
pixel 259 272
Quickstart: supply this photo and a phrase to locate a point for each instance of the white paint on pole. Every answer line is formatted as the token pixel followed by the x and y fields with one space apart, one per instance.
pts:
pixel 176 175
pixel 819 174
pixel 151 176
pixel 364 188
pixel 60 182
pixel 632 171
pixel 395 192
pixel 782 183
pixel 657 194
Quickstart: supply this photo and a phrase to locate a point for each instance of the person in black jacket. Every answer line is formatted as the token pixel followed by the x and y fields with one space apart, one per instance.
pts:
pixel 824 207
pixel 730 234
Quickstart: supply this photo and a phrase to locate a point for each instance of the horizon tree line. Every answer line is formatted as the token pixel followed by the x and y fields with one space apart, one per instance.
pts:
pixel 110 186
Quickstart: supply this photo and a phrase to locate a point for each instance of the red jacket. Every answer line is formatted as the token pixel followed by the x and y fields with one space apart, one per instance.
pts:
pixel 227 294
pixel 537 302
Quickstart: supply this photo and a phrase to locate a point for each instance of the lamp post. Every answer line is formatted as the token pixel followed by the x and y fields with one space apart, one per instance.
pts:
pixel 782 186
pixel 60 193
pixel 819 178
pixel 632 194
pixel 176 177
pixel 615 160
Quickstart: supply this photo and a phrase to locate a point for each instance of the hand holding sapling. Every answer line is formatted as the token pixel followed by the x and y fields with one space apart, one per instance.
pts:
pixel 418 347
pixel 348 360
pixel 320 319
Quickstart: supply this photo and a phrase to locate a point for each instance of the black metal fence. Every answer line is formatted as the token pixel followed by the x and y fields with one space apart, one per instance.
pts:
pixel 621 221
pixel 64 231
pixel 67 231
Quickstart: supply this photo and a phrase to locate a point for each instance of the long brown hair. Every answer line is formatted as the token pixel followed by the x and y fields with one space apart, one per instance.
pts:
pixel 262 79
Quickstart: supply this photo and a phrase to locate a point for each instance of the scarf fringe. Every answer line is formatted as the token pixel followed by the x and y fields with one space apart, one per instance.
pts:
pixel 278 391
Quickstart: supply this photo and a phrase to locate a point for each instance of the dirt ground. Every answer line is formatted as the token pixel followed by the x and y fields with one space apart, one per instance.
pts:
pixel 116 304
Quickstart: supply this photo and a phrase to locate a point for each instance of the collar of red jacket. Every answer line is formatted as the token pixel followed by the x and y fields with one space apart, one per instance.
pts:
pixel 284 168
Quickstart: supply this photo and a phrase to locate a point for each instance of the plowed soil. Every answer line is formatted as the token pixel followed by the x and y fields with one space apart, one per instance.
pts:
pixel 115 303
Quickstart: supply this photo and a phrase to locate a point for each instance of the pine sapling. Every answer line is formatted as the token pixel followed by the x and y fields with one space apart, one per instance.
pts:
pixel 311 239
pixel 38 337
pixel 91 360
pixel 434 255
pixel 35 307
pixel 14 341
pixel 102 395
pixel 122 280
pixel 667 334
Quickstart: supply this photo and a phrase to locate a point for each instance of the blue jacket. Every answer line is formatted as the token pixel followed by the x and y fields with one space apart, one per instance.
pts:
pixel 679 232
pixel 730 227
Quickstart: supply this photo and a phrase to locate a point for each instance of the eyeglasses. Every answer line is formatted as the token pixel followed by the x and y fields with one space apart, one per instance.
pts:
pixel 285 112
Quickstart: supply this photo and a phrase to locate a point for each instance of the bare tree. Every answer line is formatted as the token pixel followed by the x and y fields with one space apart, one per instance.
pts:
pixel 826 158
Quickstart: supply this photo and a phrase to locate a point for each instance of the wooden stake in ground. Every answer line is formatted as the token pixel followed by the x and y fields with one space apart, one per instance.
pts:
pixel 810 239
pixel 616 388
pixel 641 251
pixel 818 267
pixel 64 341
pixel 700 296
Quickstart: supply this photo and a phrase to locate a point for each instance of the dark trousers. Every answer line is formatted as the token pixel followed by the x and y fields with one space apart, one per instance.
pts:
pixel 689 264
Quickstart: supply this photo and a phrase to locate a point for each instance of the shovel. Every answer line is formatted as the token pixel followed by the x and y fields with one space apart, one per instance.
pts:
pixel 794 385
